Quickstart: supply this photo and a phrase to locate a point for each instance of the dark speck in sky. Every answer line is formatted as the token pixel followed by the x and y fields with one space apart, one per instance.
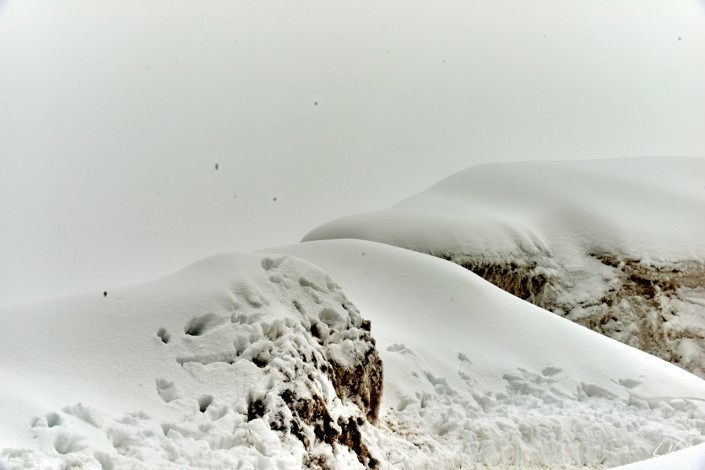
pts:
pixel 274 199
pixel 216 166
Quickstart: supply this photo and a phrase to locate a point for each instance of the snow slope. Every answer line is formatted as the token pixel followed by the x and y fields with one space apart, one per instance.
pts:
pixel 615 245
pixel 479 376
pixel 199 370
pixel 351 353
pixel 238 361
pixel 640 208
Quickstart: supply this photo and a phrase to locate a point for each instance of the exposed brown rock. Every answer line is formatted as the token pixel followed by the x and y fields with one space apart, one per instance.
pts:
pixel 638 310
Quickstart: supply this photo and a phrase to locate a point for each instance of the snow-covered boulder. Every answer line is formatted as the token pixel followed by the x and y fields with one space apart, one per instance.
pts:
pixel 237 360
pixel 615 245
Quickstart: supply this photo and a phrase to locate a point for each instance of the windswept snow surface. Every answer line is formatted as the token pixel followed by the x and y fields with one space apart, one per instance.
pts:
pixel 615 245
pixel 226 364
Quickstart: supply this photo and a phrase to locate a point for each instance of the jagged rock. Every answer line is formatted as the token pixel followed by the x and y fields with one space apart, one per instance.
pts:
pixel 615 245
pixel 324 370
pixel 642 304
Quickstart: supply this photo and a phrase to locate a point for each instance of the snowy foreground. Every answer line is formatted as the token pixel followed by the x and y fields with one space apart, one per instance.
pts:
pixel 343 354
pixel 191 371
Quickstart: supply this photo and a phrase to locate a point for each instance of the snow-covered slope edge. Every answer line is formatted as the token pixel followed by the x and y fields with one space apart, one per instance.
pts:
pixel 238 361
pixel 615 245
pixel 260 361
pixel 478 378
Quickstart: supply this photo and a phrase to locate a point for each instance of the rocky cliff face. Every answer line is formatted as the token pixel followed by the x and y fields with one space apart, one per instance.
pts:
pixel 659 309
pixel 615 245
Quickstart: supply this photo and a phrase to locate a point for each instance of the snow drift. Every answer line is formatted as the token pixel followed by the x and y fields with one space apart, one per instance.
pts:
pixel 475 377
pixel 269 361
pixel 615 245
pixel 262 361
pixel 237 360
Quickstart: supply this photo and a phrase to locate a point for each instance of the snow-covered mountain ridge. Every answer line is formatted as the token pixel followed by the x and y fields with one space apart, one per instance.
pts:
pixel 615 245
pixel 356 354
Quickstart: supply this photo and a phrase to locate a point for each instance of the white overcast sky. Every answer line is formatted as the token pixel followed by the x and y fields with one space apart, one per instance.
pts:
pixel 113 115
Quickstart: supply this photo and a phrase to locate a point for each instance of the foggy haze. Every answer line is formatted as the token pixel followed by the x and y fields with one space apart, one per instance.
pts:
pixel 113 116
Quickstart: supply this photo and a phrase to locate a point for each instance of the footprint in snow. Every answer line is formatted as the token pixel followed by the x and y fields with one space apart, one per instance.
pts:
pixel 85 413
pixel 629 383
pixel 551 371
pixel 463 358
pixel 216 413
pixel 204 402
pixel 270 263
pixel 66 443
pixel 163 335
pixel 198 326
pixel 167 390
pixel 400 348
pixel 54 419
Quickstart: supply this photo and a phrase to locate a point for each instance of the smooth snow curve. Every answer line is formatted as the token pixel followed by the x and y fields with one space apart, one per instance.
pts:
pixel 238 361
pixel 616 245
pixel 264 361
pixel 639 208
pixel 476 377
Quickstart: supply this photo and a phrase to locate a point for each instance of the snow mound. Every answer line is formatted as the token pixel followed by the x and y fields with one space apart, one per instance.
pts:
pixel 475 377
pixel 643 208
pixel 262 362
pixel 239 361
pixel 614 245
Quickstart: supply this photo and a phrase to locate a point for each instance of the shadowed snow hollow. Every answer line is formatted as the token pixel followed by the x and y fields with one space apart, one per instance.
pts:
pixel 615 245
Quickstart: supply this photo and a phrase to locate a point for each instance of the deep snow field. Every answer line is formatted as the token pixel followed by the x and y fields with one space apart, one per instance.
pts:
pixel 354 353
